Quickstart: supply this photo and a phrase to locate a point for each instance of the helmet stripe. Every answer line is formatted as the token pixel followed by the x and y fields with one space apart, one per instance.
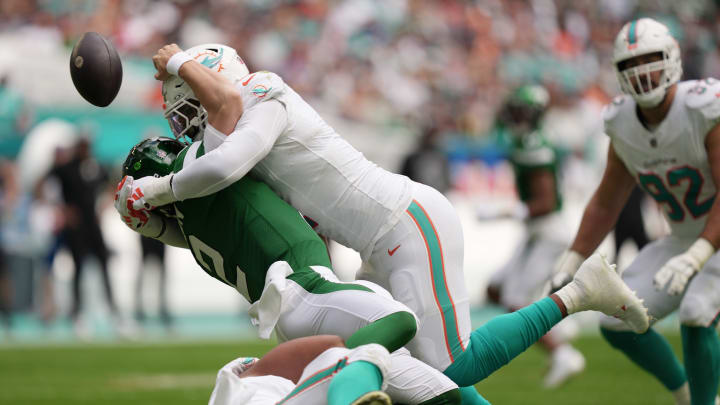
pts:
pixel 632 33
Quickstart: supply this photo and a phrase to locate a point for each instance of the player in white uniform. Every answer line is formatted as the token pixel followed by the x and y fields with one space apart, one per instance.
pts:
pixel 664 136
pixel 408 234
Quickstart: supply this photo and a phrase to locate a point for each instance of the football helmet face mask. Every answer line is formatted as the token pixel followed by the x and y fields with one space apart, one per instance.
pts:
pixel 186 117
pixel 153 157
pixel 660 65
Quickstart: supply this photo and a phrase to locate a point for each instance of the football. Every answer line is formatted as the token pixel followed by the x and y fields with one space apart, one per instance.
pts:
pixel 96 69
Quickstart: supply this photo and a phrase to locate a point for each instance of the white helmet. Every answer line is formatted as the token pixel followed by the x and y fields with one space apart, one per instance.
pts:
pixel 642 37
pixel 187 118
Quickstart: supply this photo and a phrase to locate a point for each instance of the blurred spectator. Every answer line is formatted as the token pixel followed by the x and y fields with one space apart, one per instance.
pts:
pixel 81 179
pixel 8 197
pixel 153 257
pixel 428 164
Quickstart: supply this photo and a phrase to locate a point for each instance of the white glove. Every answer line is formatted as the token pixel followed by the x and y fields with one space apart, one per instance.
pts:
pixel 677 271
pixel 565 268
pixel 142 221
pixel 149 192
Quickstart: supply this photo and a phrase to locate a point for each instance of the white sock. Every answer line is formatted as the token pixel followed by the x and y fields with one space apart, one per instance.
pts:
pixel 572 296
pixel 682 395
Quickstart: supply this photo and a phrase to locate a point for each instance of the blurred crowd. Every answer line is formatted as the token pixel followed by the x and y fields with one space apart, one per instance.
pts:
pixel 441 69
pixel 445 64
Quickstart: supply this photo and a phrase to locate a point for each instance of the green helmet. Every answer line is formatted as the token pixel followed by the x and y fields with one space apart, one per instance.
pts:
pixel 525 106
pixel 152 157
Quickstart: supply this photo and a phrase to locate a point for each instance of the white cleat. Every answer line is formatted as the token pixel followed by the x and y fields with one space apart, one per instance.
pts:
pixel 598 287
pixel 373 398
pixel 566 362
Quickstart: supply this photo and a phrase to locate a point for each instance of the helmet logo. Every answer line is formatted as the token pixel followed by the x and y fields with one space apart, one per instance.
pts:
pixel 260 91
pixel 137 165
pixel 632 35
pixel 211 59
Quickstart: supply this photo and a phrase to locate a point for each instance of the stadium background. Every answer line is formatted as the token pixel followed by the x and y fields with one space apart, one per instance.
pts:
pixel 383 73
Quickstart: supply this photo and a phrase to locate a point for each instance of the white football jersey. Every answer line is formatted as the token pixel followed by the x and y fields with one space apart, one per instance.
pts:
pixel 345 196
pixel 670 162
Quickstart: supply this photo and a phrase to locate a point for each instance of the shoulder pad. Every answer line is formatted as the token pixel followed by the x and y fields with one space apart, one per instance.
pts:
pixel 611 110
pixel 260 86
pixel 704 96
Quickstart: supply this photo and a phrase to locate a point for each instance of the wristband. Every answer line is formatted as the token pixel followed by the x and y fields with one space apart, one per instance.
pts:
pixel 701 250
pixel 177 60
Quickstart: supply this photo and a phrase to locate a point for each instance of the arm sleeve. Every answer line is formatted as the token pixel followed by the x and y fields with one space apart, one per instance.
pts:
pixel 252 140
pixel 173 235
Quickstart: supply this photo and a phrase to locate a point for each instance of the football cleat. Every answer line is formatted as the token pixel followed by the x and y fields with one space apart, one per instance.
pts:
pixel 598 287
pixel 566 362
pixel 373 398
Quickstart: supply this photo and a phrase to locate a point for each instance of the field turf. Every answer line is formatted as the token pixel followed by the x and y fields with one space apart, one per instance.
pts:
pixel 184 373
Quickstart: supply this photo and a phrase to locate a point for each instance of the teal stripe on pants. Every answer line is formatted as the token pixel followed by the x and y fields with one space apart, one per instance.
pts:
pixel 441 292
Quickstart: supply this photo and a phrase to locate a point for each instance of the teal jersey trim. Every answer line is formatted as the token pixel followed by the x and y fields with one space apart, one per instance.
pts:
pixel 443 299
pixel 315 379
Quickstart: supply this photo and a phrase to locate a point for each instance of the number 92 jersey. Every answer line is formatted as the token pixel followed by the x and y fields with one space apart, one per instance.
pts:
pixel 670 162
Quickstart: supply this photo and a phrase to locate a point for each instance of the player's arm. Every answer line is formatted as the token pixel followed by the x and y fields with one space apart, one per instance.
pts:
pixel 252 139
pixel 677 272
pixel 598 220
pixel 711 232
pixel 542 193
pixel 605 205
pixel 217 95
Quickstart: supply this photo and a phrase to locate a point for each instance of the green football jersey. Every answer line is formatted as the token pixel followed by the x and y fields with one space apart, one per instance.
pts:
pixel 529 153
pixel 238 232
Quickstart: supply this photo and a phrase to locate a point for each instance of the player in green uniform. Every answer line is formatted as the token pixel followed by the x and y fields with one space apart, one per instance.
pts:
pixel 248 238
pixel 536 165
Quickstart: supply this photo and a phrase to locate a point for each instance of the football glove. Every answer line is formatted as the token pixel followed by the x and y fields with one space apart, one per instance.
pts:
pixel 678 271
pixel 150 192
pixel 142 221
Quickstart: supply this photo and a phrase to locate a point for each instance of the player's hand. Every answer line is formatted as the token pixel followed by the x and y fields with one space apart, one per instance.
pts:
pixel 677 272
pixel 161 58
pixel 150 192
pixel 558 281
pixel 124 199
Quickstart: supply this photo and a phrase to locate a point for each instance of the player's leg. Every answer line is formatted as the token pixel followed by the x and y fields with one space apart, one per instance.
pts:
pixel 650 350
pixel 699 311
pixel 316 302
pixel 533 272
pixel 422 259
pixel 412 382
pixel 596 286
pixel 341 376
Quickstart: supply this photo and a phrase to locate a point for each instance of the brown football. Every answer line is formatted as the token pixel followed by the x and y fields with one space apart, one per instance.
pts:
pixel 96 69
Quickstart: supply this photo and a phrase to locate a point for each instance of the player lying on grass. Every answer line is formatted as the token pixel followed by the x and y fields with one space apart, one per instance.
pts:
pixel 250 239
pixel 282 377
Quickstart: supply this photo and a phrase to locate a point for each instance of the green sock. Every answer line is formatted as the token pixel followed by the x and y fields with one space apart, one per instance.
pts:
pixel 470 396
pixel 354 380
pixel 701 351
pixel 392 331
pixel 502 339
pixel 651 352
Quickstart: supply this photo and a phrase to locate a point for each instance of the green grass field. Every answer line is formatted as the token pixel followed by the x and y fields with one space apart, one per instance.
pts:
pixel 184 373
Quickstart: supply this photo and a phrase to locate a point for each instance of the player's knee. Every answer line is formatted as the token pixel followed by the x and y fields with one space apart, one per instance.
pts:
pixel 696 312
pixel 406 325
pixel 608 323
